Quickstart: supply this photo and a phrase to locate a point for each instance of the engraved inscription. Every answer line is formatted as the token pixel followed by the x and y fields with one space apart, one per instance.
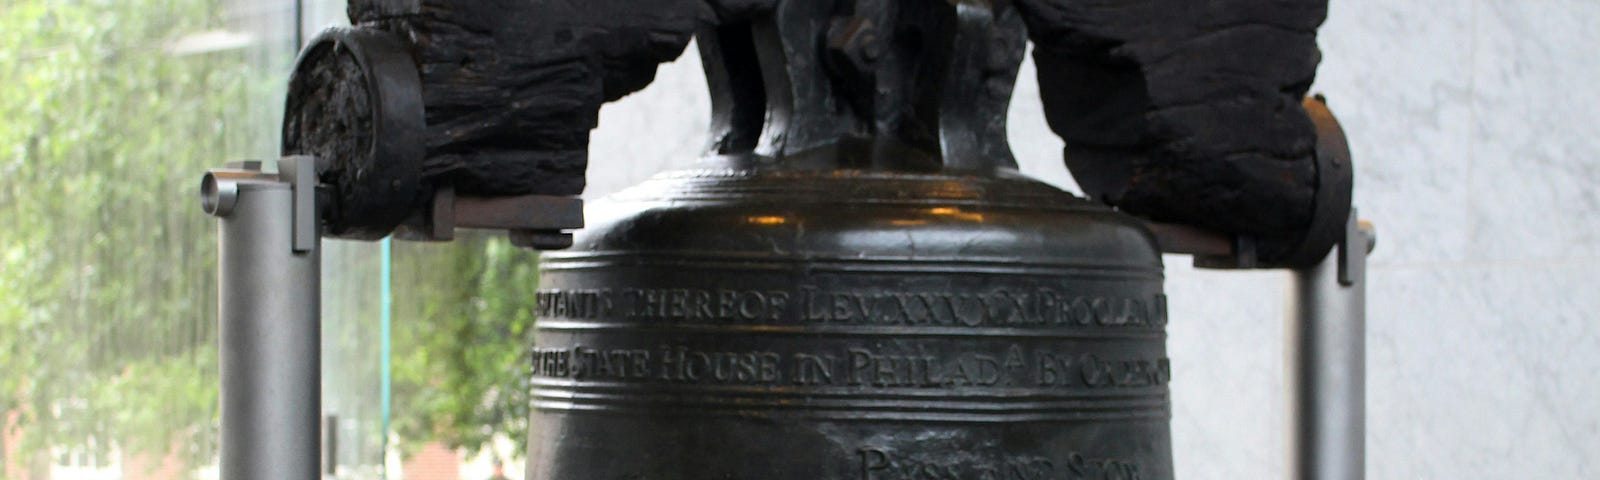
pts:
pixel 1041 307
pixel 866 367
pixel 879 463
pixel 1011 366
pixel 550 362
pixel 1095 372
pixel 664 303
pixel 684 365
pixel 610 363
pixel 813 305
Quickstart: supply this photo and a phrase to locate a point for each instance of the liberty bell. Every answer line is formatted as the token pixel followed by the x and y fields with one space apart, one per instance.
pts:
pixel 855 282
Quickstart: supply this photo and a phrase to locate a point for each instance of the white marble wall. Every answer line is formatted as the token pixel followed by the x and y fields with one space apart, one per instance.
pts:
pixel 1477 137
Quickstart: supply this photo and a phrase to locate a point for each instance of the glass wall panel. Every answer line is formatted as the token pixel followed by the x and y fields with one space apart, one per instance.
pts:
pixel 463 318
pixel 108 112
pixel 353 316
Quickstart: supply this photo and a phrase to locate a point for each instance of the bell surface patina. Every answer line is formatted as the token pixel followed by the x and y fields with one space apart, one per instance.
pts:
pixel 786 323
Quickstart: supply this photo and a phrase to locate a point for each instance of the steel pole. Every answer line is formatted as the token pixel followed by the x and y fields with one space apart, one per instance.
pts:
pixel 1326 363
pixel 270 329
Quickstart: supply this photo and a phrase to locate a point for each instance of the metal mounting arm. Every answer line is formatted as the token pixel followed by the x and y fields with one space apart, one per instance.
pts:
pixel 531 221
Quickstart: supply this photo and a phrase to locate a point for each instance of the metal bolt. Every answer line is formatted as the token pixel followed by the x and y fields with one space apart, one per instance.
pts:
pixel 218 196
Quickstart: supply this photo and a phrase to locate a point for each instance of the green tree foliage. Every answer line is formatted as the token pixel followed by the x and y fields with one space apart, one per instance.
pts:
pixel 107 292
pixel 107 267
pixel 466 319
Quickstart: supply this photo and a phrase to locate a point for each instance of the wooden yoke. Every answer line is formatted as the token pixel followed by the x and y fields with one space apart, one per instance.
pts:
pixel 1191 112
pixel 1173 110
pixel 509 90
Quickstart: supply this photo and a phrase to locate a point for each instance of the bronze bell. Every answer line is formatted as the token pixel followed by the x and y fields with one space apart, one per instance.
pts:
pixel 857 284
pixel 780 323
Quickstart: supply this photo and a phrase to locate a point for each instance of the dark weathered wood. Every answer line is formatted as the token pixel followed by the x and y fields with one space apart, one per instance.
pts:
pixel 354 102
pixel 332 109
pixel 1176 110
pixel 1185 111
pixel 513 87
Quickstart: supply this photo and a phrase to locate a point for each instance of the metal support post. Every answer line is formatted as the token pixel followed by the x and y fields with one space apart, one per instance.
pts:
pixel 1326 362
pixel 1326 344
pixel 269 277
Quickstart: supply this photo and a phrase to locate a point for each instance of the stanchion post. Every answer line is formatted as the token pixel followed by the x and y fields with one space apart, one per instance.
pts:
pixel 1326 362
pixel 269 301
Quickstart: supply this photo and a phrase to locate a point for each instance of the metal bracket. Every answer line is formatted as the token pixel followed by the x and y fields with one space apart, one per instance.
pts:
pixel 1210 249
pixel 1326 344
pixel 219 192
pixel 532 221
pixel 301 173
pixel 1360 234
